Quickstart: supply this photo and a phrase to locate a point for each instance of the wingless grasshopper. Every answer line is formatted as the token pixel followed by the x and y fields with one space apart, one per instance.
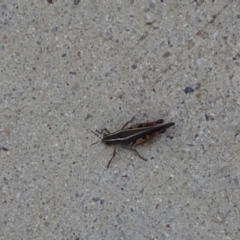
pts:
pixel 133 136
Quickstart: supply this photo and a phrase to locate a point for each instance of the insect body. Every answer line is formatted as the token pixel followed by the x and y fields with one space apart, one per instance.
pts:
pixel 134 135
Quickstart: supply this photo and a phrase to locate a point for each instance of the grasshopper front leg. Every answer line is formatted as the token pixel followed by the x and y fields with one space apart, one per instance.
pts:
pixel 104 129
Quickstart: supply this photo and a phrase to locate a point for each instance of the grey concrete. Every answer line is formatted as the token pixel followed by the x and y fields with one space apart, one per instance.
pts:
pixel 69 67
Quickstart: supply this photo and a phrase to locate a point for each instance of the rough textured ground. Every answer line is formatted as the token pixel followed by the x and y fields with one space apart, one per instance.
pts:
pixel 72 66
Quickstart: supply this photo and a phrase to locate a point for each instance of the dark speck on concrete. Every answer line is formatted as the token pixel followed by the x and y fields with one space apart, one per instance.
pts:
pixel 171 137
pixel 4 149
pixel 73 73
pixel 76 2
pixel 237 133
pixel 166 54
pixel 88 116
pixel 134 66
pixel 188 90
pixel 96 199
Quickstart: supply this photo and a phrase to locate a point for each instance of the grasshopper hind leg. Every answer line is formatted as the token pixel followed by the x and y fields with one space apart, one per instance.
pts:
pixel 113 155
pixel 135 150
pixel 128 148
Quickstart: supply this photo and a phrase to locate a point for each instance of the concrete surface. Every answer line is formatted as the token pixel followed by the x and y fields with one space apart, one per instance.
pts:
pixel 74 66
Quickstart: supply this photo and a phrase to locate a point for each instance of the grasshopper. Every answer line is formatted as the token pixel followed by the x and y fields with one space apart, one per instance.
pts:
pixel 135 135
